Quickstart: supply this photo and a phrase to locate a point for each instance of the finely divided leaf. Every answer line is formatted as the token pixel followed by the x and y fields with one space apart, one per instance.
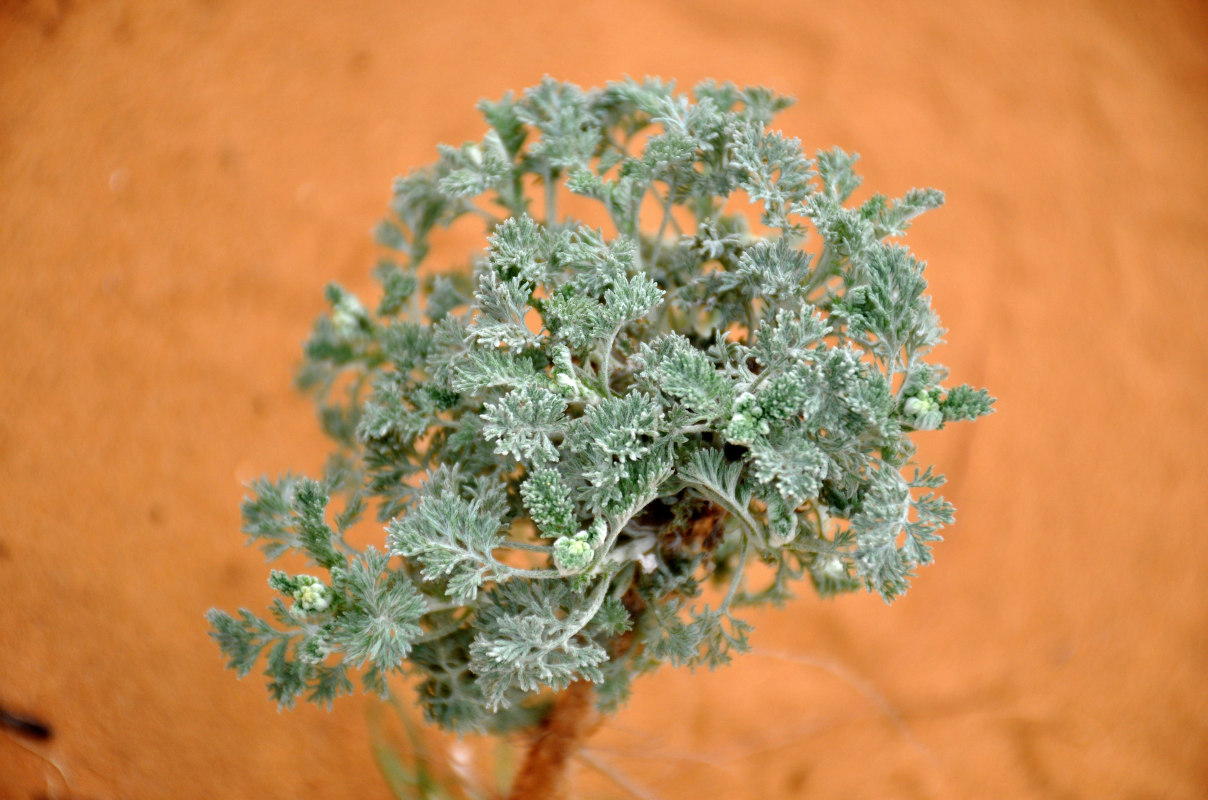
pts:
pixel 452 538
pixel 522 422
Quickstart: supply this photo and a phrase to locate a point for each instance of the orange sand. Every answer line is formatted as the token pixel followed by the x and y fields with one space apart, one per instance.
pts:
pixel 179 179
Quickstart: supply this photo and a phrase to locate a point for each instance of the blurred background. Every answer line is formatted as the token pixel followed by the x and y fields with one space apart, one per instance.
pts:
pixel 178 180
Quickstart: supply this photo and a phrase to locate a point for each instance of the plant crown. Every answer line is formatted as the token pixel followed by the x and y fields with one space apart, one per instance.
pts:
pixel 569 439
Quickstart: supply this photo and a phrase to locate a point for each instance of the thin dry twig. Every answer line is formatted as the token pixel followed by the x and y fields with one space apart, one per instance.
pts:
pixel 724 759
pixel 861 685
pixel 50 790
pixel 616 776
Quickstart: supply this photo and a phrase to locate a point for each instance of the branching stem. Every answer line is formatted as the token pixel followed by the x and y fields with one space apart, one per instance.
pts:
pixel 667 216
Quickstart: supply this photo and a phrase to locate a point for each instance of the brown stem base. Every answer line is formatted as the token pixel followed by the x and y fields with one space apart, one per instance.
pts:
pixel 573 718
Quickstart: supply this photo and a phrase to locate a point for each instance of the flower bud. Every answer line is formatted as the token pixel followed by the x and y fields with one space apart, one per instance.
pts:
pixel 572 553
pixel 311 596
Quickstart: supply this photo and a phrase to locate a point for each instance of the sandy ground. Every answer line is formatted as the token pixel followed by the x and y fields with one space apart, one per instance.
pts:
pixel 179 179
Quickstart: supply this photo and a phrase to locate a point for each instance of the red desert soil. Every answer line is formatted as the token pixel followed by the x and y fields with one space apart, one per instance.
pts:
pixel 178 180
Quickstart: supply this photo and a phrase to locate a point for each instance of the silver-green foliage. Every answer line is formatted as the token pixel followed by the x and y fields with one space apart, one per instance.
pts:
pixel 571 438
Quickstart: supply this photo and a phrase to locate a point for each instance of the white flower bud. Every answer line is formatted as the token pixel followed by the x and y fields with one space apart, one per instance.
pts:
pixel 834 567
pixel 312 596
pixel 923 411
pixel 572 554
pixel 595 533
pixel 347 315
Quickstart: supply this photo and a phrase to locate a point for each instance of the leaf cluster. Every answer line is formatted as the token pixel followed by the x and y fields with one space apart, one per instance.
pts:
pixel 569 441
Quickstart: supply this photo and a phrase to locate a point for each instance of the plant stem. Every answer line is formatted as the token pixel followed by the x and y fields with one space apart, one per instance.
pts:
pixel 658 237
pixel 562 733
pixel 606 365
pixel 551 200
